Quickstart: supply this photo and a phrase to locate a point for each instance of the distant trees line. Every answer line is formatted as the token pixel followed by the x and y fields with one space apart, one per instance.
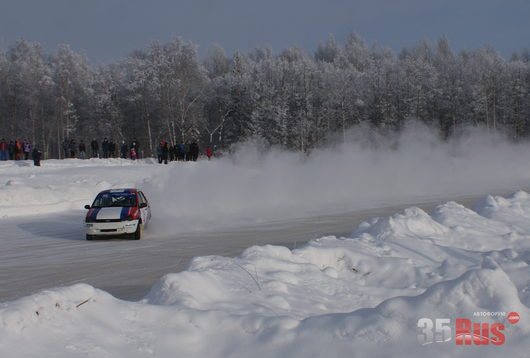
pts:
pixel 293 99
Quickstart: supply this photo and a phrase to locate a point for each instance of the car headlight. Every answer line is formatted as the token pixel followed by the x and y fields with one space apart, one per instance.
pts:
pixel 90 220
pixel 128 218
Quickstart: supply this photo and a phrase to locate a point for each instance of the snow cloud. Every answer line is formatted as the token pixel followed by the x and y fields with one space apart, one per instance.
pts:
pixel 369 170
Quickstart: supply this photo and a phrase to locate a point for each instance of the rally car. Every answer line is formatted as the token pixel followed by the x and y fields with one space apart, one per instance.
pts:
pixel 121 212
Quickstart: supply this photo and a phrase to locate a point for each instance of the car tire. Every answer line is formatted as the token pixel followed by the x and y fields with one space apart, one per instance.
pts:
pixel 89 237
pixel 138 233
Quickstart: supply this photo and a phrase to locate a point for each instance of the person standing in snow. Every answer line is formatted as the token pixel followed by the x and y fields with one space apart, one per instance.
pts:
pixel 194 148
pixel 66 147
pixel 94 145
pixel 209 152
pixel 73 148
pixel 181 155
pixel 133 153
pixel 112 149
pixel 136 145
pixel 36 155
pixel 26 147
pixel 4 150
pixel 18 150
pixel 82 150
pixel 165 152
pixel 124 149
pixel 11 149
pixel 105 148
pixel 159 152
pixel 172 151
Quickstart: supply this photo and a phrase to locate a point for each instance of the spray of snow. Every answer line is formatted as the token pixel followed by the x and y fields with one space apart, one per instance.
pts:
pixel 259 184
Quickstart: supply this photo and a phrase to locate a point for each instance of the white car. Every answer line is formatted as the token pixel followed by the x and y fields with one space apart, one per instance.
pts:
pixel 117 212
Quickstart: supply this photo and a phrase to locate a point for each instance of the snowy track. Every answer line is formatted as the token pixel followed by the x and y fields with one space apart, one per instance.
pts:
pixel 50 250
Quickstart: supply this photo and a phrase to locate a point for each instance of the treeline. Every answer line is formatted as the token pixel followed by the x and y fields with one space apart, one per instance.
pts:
pixel 293 99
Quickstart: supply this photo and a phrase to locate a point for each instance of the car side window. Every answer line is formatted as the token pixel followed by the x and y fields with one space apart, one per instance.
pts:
pixel 142 197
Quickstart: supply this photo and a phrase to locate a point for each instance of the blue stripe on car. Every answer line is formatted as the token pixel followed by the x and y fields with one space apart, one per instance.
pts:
pixel 124 212
pixel 94 213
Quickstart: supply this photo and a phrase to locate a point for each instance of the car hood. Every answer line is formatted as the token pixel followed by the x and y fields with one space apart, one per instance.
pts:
pixel 113 213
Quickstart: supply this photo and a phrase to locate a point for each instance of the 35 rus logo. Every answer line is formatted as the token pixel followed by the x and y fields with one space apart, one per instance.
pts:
pixel 466 332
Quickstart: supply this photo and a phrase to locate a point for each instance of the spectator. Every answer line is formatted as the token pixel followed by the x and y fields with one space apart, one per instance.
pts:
pixel 66 147
pixel 12 150
pixel 105 148
pixel 124 149
pixel 26 148
pixel 159 152
pixel 82 150
pixel 112 149
pixel 165 152
pixel 209 152
pixel 187 147
pixel 36 155
pixel 94 145
pixel 194 149
pixel 172 152
pixel 133 153
pixel 181 154
pixel 18 150
pixel 73 148
pixel 4 150
pixel 136 145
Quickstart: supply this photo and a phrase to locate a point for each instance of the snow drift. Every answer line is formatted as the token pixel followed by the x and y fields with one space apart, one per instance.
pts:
pixel 358 296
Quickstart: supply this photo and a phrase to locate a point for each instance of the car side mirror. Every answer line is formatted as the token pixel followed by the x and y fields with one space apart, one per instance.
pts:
pixel 87 207
pixel 143 205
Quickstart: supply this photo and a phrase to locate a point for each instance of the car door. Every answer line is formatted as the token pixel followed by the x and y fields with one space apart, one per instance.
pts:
pixel 146 211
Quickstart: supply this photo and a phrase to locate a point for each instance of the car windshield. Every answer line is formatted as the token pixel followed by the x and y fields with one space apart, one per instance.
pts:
pixel 106 200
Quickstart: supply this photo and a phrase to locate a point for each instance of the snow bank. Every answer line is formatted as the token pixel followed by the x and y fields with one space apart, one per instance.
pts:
pixel 360 296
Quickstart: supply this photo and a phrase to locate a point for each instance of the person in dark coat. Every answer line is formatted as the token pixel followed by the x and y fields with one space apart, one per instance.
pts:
pixel 181 155
pixel 82 150
pixel 194 149
pixel 11 149
pixel 105 148
pixel 94 145
pixel 188 151
pixel 159 152
pixel 165 152
pixel 73 148
pixel 124 150
pixel 112 148
pixel 172 151
pixel 66 147
pixel 36 155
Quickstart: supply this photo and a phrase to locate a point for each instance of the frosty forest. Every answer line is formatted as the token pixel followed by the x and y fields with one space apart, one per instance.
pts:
pixel 292 99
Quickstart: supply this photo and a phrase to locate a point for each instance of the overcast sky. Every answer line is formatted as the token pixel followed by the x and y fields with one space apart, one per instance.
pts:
pixel 107 30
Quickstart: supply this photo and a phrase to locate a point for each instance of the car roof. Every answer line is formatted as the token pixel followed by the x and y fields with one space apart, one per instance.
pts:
pixel 125 191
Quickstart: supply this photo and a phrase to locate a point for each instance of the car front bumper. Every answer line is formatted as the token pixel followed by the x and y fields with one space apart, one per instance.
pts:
pixel 111 228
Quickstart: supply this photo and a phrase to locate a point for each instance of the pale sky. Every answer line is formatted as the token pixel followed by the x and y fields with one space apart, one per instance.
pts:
pixel 107 30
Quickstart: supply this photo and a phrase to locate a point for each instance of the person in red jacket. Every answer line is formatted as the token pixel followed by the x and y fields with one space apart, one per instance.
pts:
pixel 209 152
pixel 4 150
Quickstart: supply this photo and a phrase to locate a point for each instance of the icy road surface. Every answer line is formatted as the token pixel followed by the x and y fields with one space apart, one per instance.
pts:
pixel 50 250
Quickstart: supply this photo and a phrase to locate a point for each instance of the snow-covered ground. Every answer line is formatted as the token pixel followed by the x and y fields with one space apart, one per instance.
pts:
pixel 360 295
pixel 357 296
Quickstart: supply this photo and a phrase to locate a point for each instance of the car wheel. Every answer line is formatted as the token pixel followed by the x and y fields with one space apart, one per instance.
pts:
pixel 89 237
pixel 138 233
